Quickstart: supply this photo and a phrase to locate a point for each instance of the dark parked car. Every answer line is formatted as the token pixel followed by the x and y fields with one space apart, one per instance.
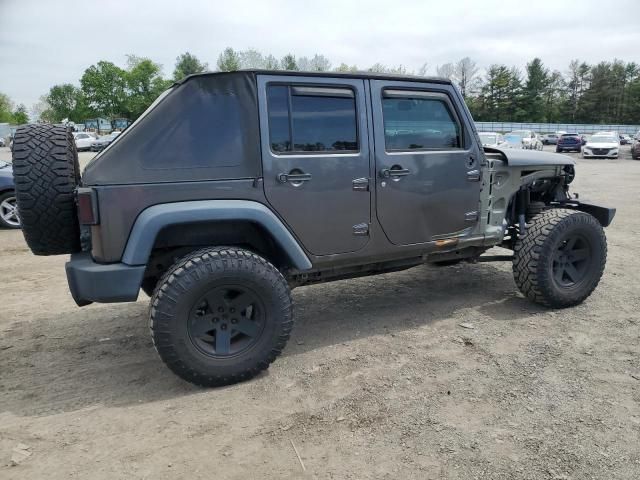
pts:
pixel 635 148
pixel 569 142
pixel 8 205
pixel 103 142
pixel 233 188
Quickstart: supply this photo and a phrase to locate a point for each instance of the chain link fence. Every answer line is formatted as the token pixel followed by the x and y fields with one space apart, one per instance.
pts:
pixel 504 127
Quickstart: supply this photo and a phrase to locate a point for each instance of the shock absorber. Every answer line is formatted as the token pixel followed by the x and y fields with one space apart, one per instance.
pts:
pixel 522 204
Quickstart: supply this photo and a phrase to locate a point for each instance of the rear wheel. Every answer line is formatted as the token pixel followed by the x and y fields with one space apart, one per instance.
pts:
pixel 561 258
pixel 221 315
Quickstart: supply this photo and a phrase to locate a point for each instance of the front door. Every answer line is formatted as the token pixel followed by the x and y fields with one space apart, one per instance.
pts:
pixel 315 159
pixel 427 172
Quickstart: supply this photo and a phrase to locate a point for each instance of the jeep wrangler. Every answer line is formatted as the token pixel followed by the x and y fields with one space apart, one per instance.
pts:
pixel 234 188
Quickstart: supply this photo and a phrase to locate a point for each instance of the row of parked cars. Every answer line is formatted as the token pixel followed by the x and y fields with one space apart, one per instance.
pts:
pixel 598 145
pixel 526 139
pixel 90 141
pixel 552 138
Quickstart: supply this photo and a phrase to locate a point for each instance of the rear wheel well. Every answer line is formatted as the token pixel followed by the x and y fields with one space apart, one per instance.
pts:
pixel 176 241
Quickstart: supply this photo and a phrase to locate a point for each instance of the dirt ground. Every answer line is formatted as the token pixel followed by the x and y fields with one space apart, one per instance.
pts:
pixel 379 380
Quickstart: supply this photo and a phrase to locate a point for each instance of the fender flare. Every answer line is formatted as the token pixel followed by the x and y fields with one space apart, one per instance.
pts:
pixel 153 219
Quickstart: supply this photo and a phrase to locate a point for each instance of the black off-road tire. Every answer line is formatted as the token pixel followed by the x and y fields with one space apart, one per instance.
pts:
pixel 46 174
pixel 198 275
pixel 548 236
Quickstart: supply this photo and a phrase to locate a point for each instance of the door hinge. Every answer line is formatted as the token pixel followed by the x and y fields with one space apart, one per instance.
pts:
pixel 361 229
pixel 471 217
pixel 474 175
pixel 361 184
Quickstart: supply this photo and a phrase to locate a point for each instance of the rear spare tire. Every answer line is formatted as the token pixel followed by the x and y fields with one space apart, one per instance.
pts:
pixel 46 174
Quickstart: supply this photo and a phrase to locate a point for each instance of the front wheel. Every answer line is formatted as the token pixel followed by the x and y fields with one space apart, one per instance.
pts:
pixel 221 315
pixel 561 258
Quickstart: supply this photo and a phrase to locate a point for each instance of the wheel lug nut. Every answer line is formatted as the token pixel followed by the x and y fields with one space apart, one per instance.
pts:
pixel 223 327
pixel 234 320
pixel 232 310
pixel 215 319
pixel 221 309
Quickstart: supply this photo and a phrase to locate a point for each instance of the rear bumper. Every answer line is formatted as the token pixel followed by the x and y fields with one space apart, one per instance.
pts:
pixel 94 282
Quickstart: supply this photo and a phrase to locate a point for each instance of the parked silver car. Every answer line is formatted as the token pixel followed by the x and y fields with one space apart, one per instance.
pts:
pixel 493 139
pixel 529 139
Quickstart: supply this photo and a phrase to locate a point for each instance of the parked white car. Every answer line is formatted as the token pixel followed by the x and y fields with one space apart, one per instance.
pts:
pixel 493 140
pixel 602 145
pixel 529 139
pixel 83 140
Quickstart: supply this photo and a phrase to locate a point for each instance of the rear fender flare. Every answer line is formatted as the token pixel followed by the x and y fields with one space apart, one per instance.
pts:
pixel 153 219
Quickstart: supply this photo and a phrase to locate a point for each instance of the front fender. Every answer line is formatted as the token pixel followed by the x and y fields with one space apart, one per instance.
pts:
pixel 153 219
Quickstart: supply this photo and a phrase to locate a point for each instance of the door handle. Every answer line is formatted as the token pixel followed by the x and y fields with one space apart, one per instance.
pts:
pixel 294 178
pixel 394 172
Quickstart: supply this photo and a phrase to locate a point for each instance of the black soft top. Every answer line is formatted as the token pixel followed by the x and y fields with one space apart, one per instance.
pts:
pixel 361 75
pixel 205 127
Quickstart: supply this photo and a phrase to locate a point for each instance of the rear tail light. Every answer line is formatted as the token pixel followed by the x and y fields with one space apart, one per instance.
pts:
pixel 87 201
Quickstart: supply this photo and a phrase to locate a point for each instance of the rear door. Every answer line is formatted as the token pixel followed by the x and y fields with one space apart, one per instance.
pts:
pixel 315 159
pixel 427 172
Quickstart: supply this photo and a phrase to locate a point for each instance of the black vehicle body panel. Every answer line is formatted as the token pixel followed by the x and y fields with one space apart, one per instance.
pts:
pixel 201 130
pixel 6 178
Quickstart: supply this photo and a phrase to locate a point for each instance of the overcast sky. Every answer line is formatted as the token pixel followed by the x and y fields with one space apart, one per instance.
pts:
pixel 46 42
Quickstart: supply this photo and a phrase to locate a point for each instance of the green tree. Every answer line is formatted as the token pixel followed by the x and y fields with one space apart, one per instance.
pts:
pixel 343 67
pixel 288 62
pixel 20 116
pixel 378 68
pixel 6 108
pixel 187 64
pixel 144 83
pixel 229 60
pixel 554 98
pixel 104 86
pixel 271 63
pixel 65 101
pixel 251 58
pixel 534 91
pixel 500 96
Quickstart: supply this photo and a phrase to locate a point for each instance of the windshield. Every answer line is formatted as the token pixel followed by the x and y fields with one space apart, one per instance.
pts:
pixel 602 139
pixel 487 139
pixel 513 138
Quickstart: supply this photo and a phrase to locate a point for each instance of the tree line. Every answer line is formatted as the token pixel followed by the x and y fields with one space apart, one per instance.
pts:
pixel 10 113
pixel 606 92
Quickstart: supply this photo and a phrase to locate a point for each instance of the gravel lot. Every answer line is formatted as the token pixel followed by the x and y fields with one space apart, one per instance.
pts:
pixel 379 380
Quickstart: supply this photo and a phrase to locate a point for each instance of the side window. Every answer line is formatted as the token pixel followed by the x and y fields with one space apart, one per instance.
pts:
pixel 311 119
pixel 419 121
